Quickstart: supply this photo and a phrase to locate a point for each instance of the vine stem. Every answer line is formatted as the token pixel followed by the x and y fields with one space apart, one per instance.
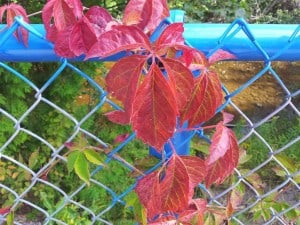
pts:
pixel 107 151
pixel 197 128
pixel 35 13
pixel 172 147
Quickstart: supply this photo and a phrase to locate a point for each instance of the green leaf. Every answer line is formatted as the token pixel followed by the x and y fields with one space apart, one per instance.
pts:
pixel 33 159
pixel 93 157
pixel 132 200
pixel 10 218
pixel 287 162
pixel 82 168
pixel 297 178
pixel 71 160
pixel 244 157
pixel 46 201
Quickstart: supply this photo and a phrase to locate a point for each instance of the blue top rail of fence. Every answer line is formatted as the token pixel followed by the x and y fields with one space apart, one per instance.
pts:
pixel 248 42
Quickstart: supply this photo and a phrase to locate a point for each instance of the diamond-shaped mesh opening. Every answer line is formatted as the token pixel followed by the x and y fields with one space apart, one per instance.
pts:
pixel 15 175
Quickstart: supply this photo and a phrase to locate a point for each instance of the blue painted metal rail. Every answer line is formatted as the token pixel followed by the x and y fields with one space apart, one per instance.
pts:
pixel 276 40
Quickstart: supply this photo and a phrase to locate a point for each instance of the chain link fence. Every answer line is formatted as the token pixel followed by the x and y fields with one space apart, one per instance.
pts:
pixel 44 115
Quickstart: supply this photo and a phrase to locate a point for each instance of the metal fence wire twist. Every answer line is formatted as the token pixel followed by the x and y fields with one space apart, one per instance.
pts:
pixel 22 198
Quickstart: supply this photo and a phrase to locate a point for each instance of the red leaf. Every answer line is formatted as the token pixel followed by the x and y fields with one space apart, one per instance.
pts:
pixel 194 59
pixel 193 215
pixel 227 117
pixel 220 55
pixel 77 8
pixel 206 98
pixel 172 186
pixel 82 37
pixel 119 116
pixel 120 138
pixel 99 17
pixel 175 186
pixel 120 38
pixel 122 82
pixel 165 191
pixel 148 191
pixel 223 156
pixel 62 43
pixel 196 169
pixel 4 211
pixel 182 79
pixel 170 37
pixel 196 211
pixel 154 110
pixel 13 10
pixel 146 14
pixel 64 13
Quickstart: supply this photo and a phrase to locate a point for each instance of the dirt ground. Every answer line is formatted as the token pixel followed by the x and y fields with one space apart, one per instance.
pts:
pixel 265 94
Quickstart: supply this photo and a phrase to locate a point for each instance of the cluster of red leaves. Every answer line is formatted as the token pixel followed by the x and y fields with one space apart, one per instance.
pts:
pixel 171 188
pixel 76 32
pixel 12 10
pixel 153 103
pixel 155 85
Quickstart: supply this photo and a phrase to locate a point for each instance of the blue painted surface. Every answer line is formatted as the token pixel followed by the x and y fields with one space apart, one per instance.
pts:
pixel 239 38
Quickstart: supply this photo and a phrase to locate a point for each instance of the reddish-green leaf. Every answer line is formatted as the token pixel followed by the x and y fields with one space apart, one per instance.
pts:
pixel 122 82
pixel 206 98
pixel 235 199
pixel 4 211
pixel 199 204
pixel 149 194
pixel 194 214
pixel 146 14
pixel 220 55
pixel 12 10
pixel 139 211
pixel 194 59
pixel 182 80
pixel 154 109
pixel 223 157
pixel 120 38
pixel 82 37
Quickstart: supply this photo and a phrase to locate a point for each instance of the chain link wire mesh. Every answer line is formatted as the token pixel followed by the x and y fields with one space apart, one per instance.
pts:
pixel 32 186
